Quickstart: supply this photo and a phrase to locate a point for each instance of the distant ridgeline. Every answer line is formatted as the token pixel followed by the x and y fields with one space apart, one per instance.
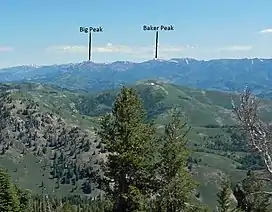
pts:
pixel 227 74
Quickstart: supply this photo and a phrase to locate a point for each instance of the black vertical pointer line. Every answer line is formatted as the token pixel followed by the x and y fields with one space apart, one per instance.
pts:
pixel 90 44
pixel 157 39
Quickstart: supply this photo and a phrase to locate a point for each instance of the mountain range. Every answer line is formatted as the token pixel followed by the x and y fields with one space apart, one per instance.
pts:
pixel 48 144
pixel 219 74
pixel 48 115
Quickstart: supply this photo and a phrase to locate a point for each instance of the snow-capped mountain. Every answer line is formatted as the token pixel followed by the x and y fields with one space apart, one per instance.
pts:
pixel 220 74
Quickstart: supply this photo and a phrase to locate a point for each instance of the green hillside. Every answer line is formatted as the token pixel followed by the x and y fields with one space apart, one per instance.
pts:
pixel 48 142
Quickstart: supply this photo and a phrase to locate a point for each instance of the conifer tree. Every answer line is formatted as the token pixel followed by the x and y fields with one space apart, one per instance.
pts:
pixel 9 201
pixel 24 198
pixel 224 202
pixel 66 207
pixel 175 184
pixel 126 136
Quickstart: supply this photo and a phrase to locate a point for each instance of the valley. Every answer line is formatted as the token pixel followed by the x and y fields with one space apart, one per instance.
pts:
pixel 130 106
pixel 48 140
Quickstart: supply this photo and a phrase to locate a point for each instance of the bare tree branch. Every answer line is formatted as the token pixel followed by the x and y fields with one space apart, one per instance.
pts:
pixel 259 133
pixel 261 192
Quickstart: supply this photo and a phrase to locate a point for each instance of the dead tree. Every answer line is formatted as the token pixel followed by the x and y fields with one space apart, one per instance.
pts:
pixel 258 132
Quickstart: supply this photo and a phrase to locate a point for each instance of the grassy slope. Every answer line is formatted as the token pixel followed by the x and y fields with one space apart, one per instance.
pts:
pixel 200 107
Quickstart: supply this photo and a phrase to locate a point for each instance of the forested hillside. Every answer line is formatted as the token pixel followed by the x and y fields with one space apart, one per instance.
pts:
pixel 53 143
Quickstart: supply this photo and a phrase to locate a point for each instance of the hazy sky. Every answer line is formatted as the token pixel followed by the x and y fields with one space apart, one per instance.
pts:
pixel 47 32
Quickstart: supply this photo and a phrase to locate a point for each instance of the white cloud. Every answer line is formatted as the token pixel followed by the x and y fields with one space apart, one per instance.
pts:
pixel 110 48
pixel 6 48
pixel 236 48
pixel 67 49
pixel 265 31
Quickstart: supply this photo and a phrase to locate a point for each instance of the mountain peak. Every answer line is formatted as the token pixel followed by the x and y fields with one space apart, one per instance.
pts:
pixel 123 62
pixel 218 74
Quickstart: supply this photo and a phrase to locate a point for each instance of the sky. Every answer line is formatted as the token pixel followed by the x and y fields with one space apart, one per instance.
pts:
pixel 47 32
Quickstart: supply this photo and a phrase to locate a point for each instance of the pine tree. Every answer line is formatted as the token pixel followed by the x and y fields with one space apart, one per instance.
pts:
pixel 126 136
pixel 24 198
pixel 174 183
pixel 66 207
pixel 9 201
pixel 224 202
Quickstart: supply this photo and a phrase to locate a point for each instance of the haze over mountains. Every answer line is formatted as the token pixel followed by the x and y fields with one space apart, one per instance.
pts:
pixel 219 74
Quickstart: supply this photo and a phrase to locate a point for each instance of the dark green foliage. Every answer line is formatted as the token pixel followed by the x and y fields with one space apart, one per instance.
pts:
pixel 126 137
pixel 9 200
pixel 223 201
pixel 174 183
pixel 66 207
pixel 131 142
pixel 251 161
pixel 24 198
pixel 231 139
